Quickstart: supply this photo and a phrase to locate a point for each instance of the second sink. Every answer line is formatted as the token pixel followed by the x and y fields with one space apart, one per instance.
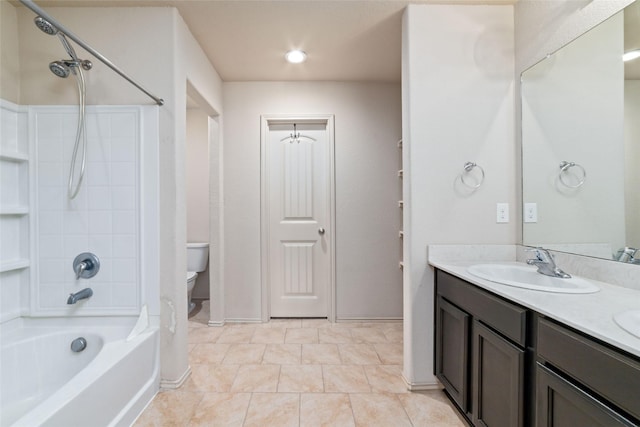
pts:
pixel 526 277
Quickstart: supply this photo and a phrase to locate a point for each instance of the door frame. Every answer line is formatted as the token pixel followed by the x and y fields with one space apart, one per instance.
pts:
pixel 265 122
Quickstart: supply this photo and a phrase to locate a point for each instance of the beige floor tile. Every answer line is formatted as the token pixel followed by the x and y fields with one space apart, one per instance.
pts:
pixel 300 378
pixel 206 353
pixel 252 378
pixel 368 335
pixel 316 323
pixel 430 408
pixel 221 410
pixel 378 410
pixel 204 335
pixel 212 377
pixel 284 323
pixel 273 410
pixel 326 410
pixel 358 354
pixel 386 379
pixel 236 335
pixel 345 379
pixel 301 336
pixel 282 354
pixel 389 353
pixel 269 335
pixel 244 354
pixel 394 335
pixel 170 408
pixel 335 336
pixel 320 354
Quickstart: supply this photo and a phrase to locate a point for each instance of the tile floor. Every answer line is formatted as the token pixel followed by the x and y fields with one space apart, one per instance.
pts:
pixel 296 372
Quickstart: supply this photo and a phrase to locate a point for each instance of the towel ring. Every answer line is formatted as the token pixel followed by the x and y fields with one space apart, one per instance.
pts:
pixel 468 167
pixel 564 168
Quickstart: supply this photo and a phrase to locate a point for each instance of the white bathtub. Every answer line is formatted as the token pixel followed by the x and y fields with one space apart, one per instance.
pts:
pixel 44 383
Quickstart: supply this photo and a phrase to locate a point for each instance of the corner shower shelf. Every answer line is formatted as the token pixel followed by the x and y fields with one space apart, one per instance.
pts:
pixel 14 264
pixel 14 156
pixel 14 210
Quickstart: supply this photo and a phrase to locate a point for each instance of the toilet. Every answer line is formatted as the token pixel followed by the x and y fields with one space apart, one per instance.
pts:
pixel 197 258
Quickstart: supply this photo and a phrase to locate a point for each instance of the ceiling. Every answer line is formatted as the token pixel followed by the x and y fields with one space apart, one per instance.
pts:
pixel 245 40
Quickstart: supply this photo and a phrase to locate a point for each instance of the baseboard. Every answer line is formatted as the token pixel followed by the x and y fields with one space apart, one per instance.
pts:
pixel 216 323
pixel 243 321
pixel 416 386
pixel 174 384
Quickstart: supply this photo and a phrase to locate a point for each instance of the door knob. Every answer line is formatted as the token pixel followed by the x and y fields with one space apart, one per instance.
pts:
pixel 321 230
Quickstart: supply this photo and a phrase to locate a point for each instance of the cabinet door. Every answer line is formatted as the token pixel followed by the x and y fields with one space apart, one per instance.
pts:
pixel 498 380
pixel 561 404
pixel 452 347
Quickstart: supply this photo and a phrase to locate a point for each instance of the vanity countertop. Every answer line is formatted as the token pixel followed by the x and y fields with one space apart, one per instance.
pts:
pixel 590 313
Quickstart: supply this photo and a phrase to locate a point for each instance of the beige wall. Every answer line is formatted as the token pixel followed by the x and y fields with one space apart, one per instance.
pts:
pixel 9 58
pixel 155 47
pixel 367 127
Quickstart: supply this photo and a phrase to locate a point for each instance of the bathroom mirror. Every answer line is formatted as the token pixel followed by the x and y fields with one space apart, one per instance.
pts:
pixel 581 144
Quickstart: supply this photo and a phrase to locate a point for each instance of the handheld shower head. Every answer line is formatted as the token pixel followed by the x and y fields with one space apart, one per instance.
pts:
pixel 60 69
pixel 45 26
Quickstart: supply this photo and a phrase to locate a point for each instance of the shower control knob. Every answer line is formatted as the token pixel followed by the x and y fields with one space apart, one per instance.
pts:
pixel 86 265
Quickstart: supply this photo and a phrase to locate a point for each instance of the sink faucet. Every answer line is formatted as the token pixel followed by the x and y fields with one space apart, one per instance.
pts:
pixel 627 254
pixel 83 294
pixel 546 265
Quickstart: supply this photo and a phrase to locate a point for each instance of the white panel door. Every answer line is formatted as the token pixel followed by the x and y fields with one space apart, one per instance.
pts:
pixel 299 213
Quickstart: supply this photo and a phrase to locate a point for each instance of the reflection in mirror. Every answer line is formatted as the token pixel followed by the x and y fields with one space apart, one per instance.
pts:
pixel 581 144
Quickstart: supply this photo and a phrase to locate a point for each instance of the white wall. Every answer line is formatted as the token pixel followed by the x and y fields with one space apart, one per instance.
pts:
pixel 457 66
pixel 572 109
pixel 155 47
pixel 198 217
pixel 367 127
pixel 631 155
pixel 197 176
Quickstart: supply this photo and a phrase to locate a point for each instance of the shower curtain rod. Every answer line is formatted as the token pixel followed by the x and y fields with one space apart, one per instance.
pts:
pixel 35 8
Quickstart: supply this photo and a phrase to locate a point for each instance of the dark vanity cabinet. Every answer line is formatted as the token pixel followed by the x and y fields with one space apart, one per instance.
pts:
pixel 583 383
pixel 480 352
pixel 506 365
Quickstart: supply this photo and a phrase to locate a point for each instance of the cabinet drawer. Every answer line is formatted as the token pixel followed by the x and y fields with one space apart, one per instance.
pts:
pixel 562 404
pixel 610 374
pixel 508 319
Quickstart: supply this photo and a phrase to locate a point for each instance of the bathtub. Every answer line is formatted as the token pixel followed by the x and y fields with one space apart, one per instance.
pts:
pixel 44 383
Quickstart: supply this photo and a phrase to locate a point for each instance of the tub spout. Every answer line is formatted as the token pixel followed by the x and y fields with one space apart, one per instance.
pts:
pixel 83 294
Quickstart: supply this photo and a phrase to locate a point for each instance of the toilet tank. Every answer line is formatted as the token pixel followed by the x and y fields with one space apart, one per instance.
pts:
pixel 197 256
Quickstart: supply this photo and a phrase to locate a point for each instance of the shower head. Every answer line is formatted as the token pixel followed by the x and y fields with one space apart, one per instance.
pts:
pixel 48 28
pixel 60 69
pixel 45 26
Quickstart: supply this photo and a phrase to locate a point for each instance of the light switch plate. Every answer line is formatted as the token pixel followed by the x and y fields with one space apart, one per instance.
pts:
pixel 530 212
pixel 502 212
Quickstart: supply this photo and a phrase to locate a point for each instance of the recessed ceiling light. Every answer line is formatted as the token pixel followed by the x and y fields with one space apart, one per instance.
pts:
pixel 296 56
pixel 632 54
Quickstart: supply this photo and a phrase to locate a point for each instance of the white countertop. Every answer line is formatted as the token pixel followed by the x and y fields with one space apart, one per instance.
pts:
pixel 590 313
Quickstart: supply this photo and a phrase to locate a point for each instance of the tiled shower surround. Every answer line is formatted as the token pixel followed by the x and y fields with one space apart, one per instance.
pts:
pixel 102 219
pixel 113 216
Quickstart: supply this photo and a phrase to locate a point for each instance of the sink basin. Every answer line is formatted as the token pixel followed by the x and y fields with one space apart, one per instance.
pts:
pixel 527 277
pixel 629 321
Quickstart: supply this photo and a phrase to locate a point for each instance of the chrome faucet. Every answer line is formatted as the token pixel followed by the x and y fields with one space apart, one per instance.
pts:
pixel 627 254
pixel 83 294
pixel 546 265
